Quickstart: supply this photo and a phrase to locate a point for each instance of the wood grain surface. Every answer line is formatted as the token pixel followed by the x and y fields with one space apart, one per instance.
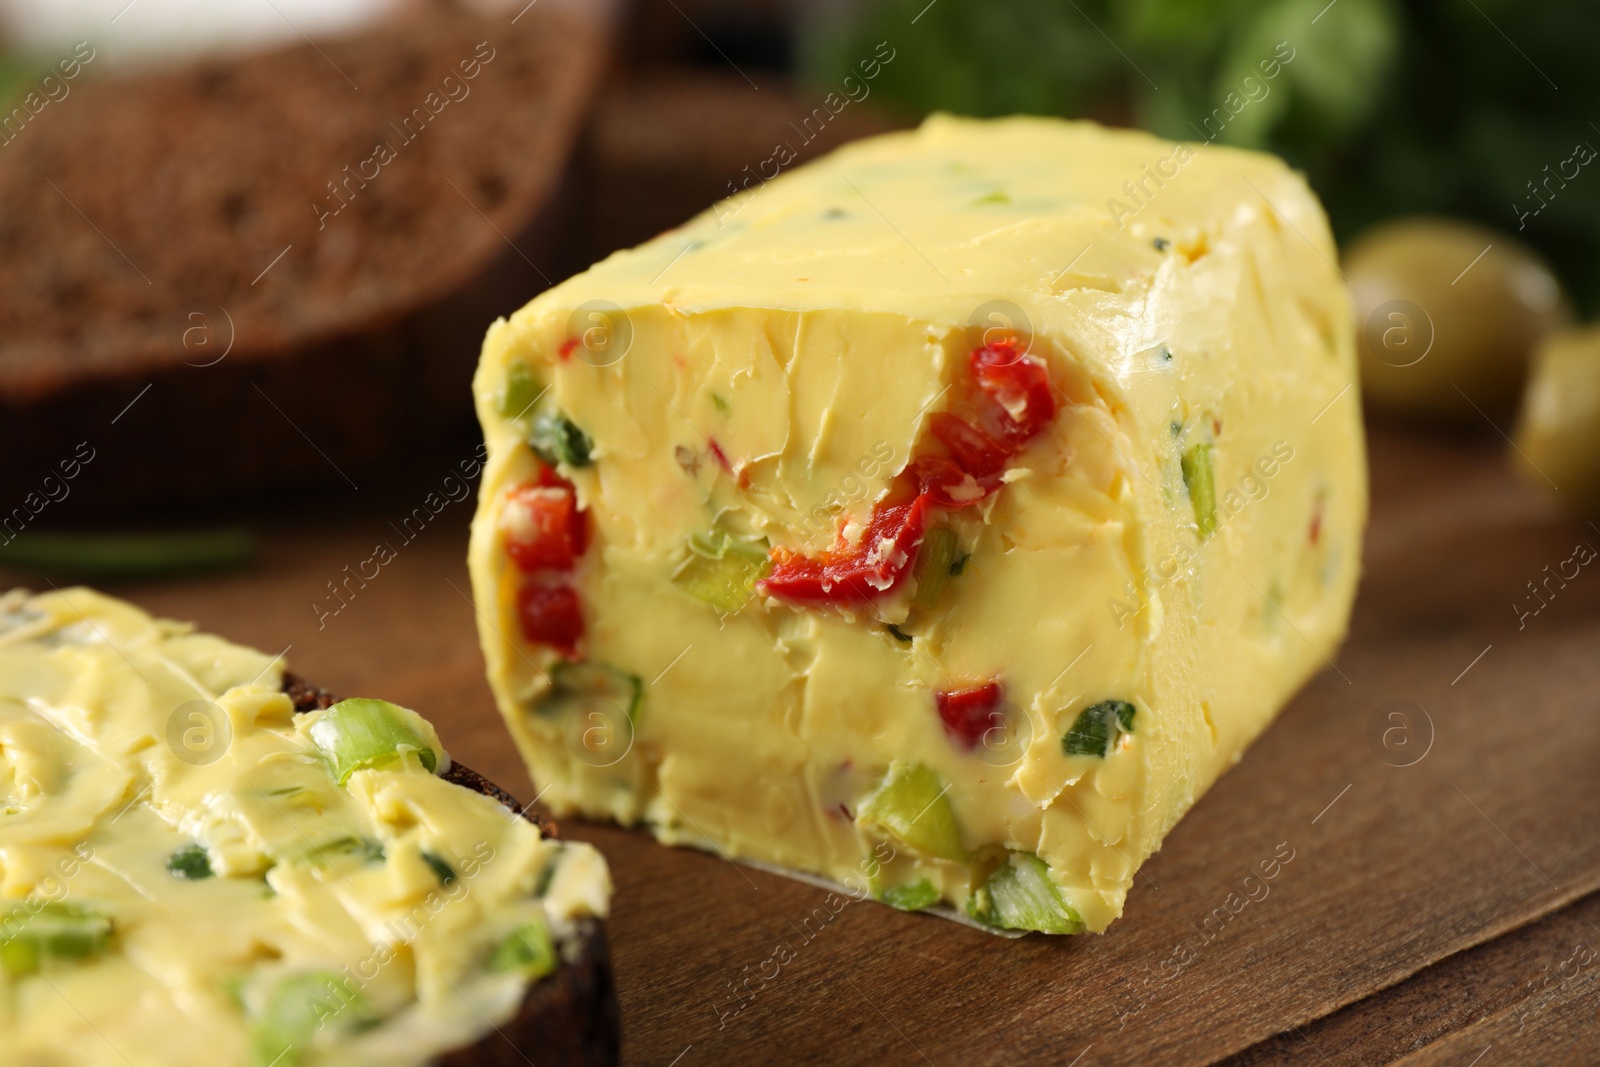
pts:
pixel 1435 874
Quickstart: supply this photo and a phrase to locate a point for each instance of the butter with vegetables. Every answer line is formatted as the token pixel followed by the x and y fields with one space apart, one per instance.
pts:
pixel 954 509
pixel 193 874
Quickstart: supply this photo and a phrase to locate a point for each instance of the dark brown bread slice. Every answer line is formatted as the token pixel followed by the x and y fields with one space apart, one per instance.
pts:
pixel 144 219
pixel 569 1018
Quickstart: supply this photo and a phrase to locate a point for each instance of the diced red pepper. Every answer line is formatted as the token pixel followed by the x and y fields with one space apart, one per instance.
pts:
pixel 543 526
pixel 977 453
pixel 968 714
pixel 946 485
pixel 565 351
pixel 1012 404
pixel 550 613
pixel 1020 384
pixel 884 556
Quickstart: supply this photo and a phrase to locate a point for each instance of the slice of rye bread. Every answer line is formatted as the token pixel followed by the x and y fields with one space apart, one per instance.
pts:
pixel 231 236
pixel 568 1018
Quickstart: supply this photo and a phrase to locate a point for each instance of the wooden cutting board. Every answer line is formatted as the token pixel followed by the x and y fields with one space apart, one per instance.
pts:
pixel 1434 875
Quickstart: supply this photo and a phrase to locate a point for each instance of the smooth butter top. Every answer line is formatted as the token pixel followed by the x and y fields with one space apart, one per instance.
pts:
pixel 919 222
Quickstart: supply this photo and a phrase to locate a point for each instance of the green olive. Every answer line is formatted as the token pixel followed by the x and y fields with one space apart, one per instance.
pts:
pixel 1558 431
pixel 1447 314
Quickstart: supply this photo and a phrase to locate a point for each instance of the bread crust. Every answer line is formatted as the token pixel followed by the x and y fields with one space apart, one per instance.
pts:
pixel 569 1018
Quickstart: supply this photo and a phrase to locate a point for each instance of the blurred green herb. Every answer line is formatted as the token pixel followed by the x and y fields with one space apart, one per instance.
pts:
pixel 17 75
pixel 128 555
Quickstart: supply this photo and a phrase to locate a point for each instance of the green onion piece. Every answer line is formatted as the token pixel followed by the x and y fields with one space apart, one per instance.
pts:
pixel 521 390
pixel 1019 895
pixel 910 804
pixel 129 555
pixel 296 1008
pixel 361 732
pixel 897 633
pixel 445 872
pixel 1097 727
pixel 557 440
pixel 722 571
pixel 576 687
pixel 932 570
pixel 1201 483
pixel 528 952
pixel 190 863
pixel 911 897
pixel 960 564
pixel 19 957
pixel 548 875
pixel 34 930
pixel 368 850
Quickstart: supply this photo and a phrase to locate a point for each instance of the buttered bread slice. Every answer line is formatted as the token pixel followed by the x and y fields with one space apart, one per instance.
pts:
pixel 940 518
pixel 204 863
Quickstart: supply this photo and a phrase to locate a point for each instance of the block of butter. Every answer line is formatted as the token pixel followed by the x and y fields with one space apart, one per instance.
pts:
pixel 939 519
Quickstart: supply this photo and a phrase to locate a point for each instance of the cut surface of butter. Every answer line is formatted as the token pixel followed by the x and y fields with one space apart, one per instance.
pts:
pixel 184 881
pixel 745 575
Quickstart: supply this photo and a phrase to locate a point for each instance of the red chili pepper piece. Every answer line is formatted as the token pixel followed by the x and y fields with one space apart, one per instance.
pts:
pixel 968 714
pixel 977 453
pixel 550 614
pixel 543 527
pixel 1019 383
pixel 548 478
pixel 864 573
pixel 948 486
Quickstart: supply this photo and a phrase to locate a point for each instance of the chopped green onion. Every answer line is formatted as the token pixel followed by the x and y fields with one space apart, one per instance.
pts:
pixel 445 872
pixel 721 404
pixel 557 440
pixel 528 952
pixel 129 555
pixel 366 848
pixel 910 804
pixel 1201 483
pixel 897 633
pixel 911 897
pixel 190 863
pixel 33 930
pixel 932 570
pixel 19 957
pixel 722 571
pixel 548 875
pixel 1097 727
pixel 1019 895
pixel 577 686
pixel 361 733
pixel 960 564
pixel 521 390
pixel 296 1008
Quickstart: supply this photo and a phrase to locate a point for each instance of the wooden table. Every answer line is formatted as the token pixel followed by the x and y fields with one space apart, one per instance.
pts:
pixel 1439 906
